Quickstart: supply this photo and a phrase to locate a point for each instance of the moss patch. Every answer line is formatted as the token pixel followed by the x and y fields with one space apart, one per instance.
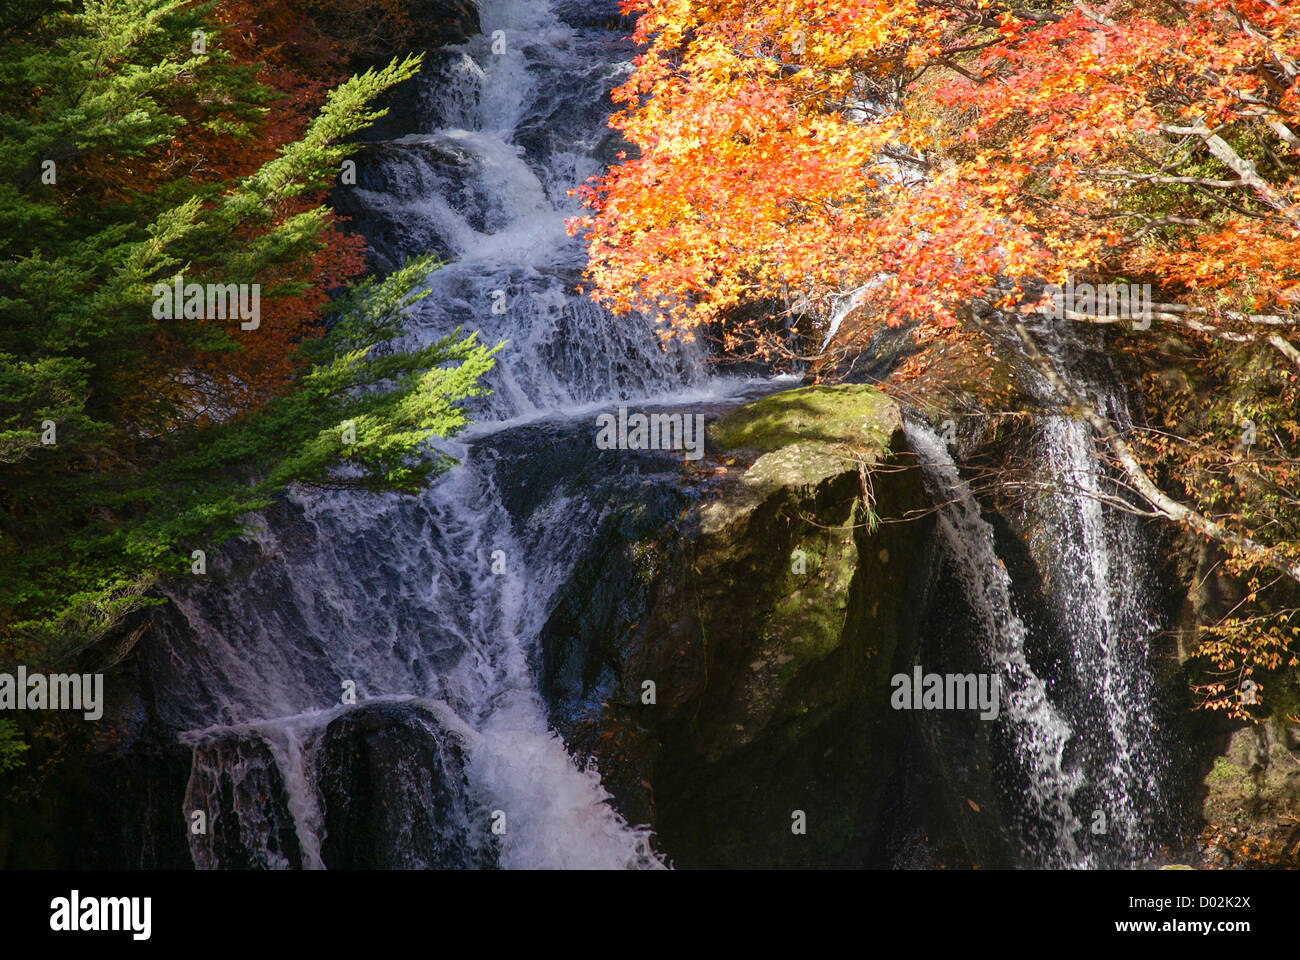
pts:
pixel 850 415
pixel 1225 771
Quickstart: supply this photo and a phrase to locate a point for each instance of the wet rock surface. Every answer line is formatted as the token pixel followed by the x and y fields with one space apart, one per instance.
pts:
pixel 395 794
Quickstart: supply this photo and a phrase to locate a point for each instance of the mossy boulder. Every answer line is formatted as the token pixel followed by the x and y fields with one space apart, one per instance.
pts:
pixel 766 615
pixel 844 418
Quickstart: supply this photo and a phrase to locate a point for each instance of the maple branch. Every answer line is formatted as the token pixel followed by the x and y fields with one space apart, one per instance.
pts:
pixel 973 78
pixel 1173 312
pixel 1284 347
pixel 1093 15
pixel 1266 111
pixel 1285 133
pixel 1245 169
pixel 1264 319
pixel 1285 64
pixel 1153 223
pixel 1275 340
pixel 907 158
pixel 1133 175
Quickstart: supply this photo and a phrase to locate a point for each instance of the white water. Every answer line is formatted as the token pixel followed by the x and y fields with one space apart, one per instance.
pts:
pixel 1103 595
pixel 399 595
pixel 1085 735
pixel 1039 729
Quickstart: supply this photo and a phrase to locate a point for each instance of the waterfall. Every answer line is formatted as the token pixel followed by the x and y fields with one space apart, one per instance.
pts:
pixel 429 607
pixel 1039 730
pixel 358 681
pixel 1083 734
pixel 1104 595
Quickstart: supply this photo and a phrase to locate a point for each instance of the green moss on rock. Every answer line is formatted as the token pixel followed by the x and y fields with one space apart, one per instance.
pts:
pixel 852 416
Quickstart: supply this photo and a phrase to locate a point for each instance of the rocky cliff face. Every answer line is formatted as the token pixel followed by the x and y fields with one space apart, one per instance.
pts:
pixel 374 33
pixel 723 654
pixel 739 683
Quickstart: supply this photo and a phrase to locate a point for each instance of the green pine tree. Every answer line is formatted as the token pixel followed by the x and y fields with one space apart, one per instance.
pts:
pixel 128 487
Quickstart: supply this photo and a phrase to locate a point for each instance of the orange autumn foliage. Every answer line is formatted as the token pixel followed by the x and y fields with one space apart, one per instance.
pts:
pixel 799 150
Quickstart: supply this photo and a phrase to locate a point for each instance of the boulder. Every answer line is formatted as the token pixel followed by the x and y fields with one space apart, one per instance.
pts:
pixel 394 794
pixel 767 614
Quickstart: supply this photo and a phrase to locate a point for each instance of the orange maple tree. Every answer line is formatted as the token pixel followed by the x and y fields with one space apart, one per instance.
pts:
pixel 944 148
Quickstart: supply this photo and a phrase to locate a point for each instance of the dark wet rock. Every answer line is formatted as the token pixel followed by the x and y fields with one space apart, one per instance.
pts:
pixel 239 792
pixel 374 35
pixel 595 14
pixel 102 794
pixel 92 813
pixel 394 793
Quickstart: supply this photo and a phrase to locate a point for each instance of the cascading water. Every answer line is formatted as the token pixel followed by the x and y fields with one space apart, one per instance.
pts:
pixel 429 607
pixel 1103 593
pixel 1039 731
pixel 1082 733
